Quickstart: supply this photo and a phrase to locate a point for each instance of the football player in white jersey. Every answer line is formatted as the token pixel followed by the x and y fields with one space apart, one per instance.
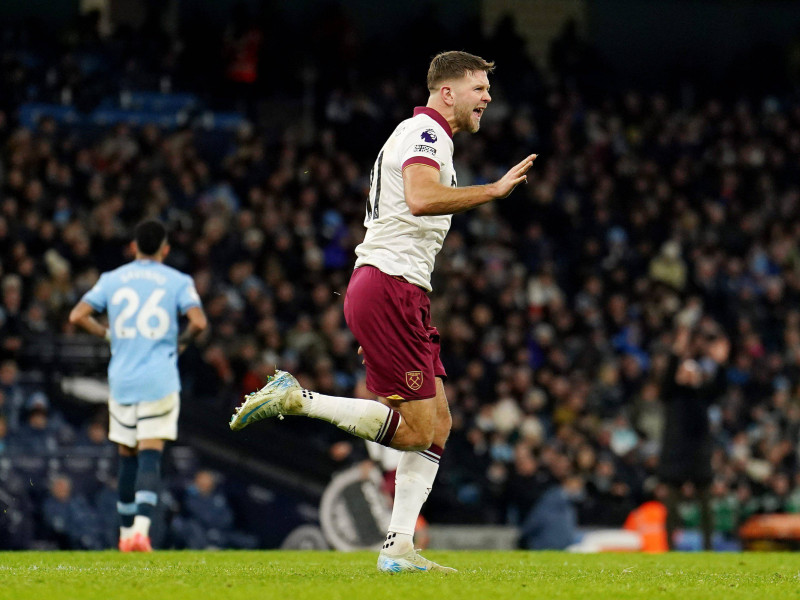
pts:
pixel 144 300
pixel 412 198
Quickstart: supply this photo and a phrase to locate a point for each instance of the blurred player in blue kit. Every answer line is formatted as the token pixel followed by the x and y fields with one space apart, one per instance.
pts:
pixel 144 300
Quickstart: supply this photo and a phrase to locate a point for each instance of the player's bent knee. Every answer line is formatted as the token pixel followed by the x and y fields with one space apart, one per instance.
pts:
pixel 413 441
pixel 422 442
pixel 413 447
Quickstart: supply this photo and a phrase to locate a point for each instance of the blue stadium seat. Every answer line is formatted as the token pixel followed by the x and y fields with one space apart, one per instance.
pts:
pixel 83 472
pixel 30 114
pixel 113 116
pixel 158 102
pixel 220 121
pixel 33 470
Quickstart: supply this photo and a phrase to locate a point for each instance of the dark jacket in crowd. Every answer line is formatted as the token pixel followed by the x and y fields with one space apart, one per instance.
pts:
pixel 687 443
pixel 551 524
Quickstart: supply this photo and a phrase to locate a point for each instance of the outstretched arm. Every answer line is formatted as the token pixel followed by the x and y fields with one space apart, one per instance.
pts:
pixel 426 196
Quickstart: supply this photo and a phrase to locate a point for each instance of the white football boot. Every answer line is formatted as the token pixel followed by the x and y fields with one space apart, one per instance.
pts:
pixel 410 561
pixel 273 400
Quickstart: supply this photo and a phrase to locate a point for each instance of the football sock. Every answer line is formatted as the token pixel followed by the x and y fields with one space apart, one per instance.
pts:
pixel 126 506
pixel 147 483
pixel 366 419
pixel 141 524
pixel 413 481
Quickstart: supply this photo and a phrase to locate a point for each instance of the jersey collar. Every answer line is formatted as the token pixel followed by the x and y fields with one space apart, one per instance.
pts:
pixel 436 116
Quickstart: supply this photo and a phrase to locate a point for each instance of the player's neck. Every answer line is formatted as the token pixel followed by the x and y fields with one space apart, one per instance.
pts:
pixel 140 256
pixel 447 112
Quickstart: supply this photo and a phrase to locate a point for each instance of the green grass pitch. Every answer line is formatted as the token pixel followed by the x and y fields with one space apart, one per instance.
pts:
pixel 333 576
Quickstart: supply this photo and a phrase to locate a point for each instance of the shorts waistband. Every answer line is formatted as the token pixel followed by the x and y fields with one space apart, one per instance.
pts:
pixel 398 277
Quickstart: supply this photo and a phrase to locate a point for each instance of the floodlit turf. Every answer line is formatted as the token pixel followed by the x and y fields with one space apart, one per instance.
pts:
pixel 333 576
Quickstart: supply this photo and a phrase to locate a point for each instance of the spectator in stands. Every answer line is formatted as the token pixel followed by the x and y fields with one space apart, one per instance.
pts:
pixel 16 512
pixel 3 434
pixel 242 48
pixel 725 509
pixel 105 507
pixel 70 519
pixel 40 433
pixel 693 379
pixel 552 522
pixel 12 396
pixel 668 267
pixel 12 327
pixel 206 518
pixel 525 485
pixel 566 285
pixel 650 521
pixel 95 435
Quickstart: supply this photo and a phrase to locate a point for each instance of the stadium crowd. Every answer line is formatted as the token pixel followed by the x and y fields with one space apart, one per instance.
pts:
pixel 556 306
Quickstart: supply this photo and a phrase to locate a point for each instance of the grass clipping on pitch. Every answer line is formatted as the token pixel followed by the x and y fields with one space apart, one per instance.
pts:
pixel 331 576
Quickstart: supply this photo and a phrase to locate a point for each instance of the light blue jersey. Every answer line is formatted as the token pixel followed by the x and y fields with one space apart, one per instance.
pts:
pixel 144 300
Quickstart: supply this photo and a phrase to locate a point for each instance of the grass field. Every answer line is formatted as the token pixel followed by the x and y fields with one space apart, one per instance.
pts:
pixel 332 576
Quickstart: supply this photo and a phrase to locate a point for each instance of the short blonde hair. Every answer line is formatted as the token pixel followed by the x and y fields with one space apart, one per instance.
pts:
pixel 454 65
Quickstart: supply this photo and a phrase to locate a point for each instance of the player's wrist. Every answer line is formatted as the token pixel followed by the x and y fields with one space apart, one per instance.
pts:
pixel 188 336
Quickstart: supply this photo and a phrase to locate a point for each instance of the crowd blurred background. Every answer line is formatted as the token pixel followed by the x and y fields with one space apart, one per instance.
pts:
pixel 557 306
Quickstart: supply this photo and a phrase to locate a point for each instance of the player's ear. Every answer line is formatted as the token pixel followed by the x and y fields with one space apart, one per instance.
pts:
pixel 134 247
pixel 165 250
pixel 446 93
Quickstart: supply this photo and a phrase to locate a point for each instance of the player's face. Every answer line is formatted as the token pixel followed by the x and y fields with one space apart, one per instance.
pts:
pixel 471 94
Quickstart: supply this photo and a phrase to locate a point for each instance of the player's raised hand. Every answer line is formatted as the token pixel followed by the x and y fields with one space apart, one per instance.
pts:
pixel 516 175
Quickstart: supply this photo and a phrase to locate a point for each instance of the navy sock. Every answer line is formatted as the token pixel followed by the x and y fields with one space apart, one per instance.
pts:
pixel 147 482
pixel 126 507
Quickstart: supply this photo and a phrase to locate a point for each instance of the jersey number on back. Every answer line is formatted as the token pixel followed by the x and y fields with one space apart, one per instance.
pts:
pixel 152 321
pixel 372 206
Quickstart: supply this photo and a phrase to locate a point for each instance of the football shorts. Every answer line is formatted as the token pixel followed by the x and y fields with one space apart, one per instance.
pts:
pixel 391 320
pixel 157 419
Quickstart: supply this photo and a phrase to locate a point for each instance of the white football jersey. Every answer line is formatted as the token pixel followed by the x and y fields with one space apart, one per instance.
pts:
pixel 397 242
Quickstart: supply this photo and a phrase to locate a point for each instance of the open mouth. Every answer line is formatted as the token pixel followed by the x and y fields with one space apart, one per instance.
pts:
pixel 478 112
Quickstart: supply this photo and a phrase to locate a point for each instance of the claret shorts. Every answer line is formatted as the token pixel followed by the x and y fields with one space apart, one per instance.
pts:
pixel 391 320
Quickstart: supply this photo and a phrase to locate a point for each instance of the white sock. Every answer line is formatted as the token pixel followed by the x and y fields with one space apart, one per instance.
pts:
pixel 413 483
pixel 367 419
pixel 141 524
pixel 125 532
